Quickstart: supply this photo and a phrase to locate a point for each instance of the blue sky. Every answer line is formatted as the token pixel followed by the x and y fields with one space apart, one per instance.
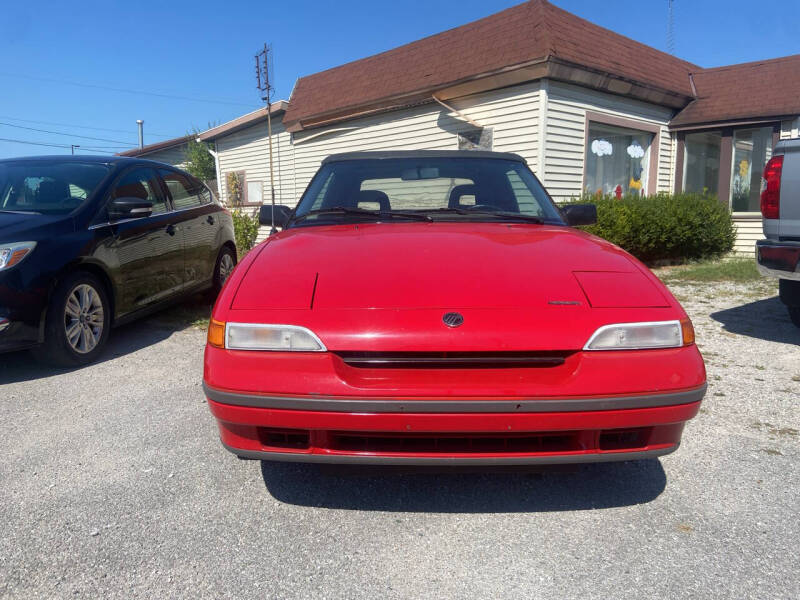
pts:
pixel 202 52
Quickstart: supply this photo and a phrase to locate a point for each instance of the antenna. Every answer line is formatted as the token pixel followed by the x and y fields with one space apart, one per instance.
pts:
pixel 671 28
pixel 263 78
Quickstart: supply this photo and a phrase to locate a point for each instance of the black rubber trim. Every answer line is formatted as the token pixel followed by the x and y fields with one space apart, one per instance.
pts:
pixel 389 405
pixel 358 459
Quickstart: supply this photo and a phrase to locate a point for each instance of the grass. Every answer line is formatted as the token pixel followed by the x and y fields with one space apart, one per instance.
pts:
pixel 733 270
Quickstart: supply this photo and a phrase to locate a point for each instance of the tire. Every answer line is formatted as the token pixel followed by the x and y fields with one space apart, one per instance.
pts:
pixel 77 323
pixel 226 261
pixel 794 314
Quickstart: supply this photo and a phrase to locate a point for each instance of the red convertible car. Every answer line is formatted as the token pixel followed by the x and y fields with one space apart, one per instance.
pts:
pixel 437 307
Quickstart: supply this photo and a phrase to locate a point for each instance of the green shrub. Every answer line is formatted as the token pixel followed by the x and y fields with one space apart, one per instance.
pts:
pixel 665 227
pixel 245 227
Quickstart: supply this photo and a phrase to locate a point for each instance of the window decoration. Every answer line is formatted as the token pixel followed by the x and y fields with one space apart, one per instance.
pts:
pixel 617 160
pixel 752 148
pixel 602 148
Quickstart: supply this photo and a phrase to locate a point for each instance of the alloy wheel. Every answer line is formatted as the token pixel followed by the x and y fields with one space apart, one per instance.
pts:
pixel 83 318
pixel 225 267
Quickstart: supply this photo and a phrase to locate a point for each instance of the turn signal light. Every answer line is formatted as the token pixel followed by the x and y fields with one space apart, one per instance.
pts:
pixel 688 332
pixel 216 334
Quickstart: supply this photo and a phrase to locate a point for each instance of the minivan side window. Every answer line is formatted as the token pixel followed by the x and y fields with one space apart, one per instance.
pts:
pixel 140 183
pixel 185 193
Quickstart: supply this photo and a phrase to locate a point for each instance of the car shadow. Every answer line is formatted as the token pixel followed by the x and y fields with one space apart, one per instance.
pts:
pixel 518 489
pixel 22 366
pixel 763 319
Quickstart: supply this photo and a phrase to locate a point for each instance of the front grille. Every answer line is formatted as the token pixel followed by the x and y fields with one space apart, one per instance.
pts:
pixel 453 360
pixel 529 443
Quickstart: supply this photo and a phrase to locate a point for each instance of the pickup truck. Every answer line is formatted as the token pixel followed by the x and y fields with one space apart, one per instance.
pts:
pixel 779 254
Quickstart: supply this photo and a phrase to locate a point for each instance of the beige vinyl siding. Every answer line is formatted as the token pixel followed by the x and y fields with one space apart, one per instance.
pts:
pixel 748 230
pixel 172 156
pixel 512 113
pixel 565 135
pixel 247 150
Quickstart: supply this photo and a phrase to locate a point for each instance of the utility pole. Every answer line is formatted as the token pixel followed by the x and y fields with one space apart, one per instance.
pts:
pixel 263 71
pixel 73 146
pixel 140 123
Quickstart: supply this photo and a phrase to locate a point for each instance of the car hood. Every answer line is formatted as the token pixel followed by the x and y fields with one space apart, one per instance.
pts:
pixel 387 287
pixel 447 266
pixel 24 227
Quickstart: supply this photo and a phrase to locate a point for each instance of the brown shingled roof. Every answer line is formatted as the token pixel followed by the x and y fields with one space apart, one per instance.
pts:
pixel 761 89
pixel 535 30
pixel 235 125
pixel 165 145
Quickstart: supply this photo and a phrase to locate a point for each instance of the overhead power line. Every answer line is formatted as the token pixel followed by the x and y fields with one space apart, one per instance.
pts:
pixel 85 137
pixel 164 135
pixel 127 91
pixel 52 145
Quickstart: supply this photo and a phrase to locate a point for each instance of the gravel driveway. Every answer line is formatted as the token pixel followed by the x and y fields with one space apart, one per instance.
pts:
pixel 113 484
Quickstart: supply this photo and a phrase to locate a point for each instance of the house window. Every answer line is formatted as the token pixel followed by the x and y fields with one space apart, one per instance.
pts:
pixel 701 162
pixel 617 160
pixel 752 148
pixel 255 192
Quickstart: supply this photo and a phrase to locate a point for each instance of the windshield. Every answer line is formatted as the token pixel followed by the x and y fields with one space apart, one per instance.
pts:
pixel 47 187
pixel 436 188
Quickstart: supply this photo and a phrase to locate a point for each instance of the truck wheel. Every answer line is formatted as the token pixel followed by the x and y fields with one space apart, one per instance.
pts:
pixel 794 314
pixel 77 322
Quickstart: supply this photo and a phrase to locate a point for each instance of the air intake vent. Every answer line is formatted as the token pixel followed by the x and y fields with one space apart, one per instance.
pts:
pixel 453 360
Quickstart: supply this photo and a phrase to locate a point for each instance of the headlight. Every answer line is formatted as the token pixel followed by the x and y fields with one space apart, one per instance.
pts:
pixel 255 336
pixel 640 336
pixel 12 254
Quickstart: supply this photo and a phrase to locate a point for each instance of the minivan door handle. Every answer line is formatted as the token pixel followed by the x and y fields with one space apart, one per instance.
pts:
pixel 210 220
pixel 171 229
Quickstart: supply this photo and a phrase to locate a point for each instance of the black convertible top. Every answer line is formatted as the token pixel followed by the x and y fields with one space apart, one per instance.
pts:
pixel 389 154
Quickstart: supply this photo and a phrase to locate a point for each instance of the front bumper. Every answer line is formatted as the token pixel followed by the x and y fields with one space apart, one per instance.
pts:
pixel 778 259
pixel 453 431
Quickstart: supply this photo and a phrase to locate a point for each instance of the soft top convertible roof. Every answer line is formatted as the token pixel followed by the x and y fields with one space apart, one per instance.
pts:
pixel 381 155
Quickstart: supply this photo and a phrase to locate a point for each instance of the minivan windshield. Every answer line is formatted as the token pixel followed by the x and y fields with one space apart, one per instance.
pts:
pixel 425 188
pixel 48 187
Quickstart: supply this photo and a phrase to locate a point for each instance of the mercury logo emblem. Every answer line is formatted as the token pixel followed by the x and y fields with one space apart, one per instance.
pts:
pixel 453 319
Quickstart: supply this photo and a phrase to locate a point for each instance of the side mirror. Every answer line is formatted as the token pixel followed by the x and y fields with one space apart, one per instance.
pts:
pixel 281 215
pixel 579 214
pixel 129 208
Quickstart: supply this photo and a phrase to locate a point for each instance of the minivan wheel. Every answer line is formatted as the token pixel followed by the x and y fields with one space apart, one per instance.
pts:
pixel 77 323
pixel 226 261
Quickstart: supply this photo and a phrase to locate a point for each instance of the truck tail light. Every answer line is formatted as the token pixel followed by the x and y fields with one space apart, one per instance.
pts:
pixel 771 188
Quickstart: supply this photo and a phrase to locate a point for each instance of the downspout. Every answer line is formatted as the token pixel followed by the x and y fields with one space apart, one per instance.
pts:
pixel 215 154
pixel 544 91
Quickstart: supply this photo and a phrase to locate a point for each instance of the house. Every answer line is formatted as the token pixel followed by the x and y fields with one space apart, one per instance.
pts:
pixel 589 109
pixel 172 152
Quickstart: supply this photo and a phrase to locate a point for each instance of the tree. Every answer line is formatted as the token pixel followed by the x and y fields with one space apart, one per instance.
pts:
pixel 199 161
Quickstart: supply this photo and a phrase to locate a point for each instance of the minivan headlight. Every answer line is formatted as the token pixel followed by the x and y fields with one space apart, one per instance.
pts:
pixel 640 336
pixel 282 338
pixel 13 254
